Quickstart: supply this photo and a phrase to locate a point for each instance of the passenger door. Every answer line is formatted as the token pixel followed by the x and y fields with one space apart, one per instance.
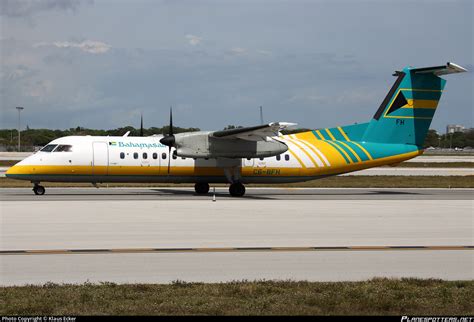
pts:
pixel 100 158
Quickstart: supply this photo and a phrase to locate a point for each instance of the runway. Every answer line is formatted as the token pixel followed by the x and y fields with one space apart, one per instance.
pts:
pixel 162 235
pixel 222 193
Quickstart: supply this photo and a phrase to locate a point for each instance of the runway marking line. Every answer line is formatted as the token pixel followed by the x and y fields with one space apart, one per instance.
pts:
pixel 228 249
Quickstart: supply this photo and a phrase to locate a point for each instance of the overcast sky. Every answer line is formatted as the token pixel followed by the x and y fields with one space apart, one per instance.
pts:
pixel 99 64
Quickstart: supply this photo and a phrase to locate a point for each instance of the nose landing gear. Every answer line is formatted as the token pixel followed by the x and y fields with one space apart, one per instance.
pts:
pixel 38 190
pixel 201 188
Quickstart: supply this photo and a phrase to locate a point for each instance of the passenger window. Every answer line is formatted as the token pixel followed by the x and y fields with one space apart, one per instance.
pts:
pixel 249 159
pixel 261 159
pixel 122 155
pixel 49 148
pixel 145 156
pixel 135 155
pixel 183 158
pixel 155 156
pixel 163 156
pixel 63 148
pixel 278 157
pixel 287 157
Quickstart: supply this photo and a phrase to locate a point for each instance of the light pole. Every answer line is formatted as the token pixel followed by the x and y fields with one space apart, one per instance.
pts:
pixel 19 108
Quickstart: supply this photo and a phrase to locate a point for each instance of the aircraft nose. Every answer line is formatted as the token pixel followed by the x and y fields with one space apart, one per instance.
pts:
pixel 11 171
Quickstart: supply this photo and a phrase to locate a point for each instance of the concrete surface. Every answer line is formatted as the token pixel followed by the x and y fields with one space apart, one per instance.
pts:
pixel 75 224
pixel 222 193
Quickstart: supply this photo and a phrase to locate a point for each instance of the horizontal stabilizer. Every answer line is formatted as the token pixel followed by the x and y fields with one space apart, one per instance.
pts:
pixel 449 68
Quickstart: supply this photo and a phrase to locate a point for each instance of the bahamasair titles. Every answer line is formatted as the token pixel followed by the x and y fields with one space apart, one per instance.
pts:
pixel 258 154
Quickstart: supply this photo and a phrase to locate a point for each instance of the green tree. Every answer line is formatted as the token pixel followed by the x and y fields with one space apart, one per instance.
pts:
pixel 432 139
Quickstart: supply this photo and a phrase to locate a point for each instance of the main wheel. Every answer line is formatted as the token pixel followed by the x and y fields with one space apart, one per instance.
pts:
pixel 39 190
pixel 237 189
pixel 201 188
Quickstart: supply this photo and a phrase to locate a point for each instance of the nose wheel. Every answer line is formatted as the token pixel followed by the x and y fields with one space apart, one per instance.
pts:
pixel 237 189
pixel 39 190
pixel 201 188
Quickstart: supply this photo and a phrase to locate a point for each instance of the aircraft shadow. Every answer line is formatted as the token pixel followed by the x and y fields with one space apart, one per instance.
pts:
pixel 218 194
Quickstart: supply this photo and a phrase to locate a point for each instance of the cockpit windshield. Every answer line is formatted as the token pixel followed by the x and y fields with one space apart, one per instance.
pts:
pixel 63 148
pixel 49 148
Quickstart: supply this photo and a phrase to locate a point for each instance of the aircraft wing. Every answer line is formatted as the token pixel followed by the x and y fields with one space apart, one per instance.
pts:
pixel 254 133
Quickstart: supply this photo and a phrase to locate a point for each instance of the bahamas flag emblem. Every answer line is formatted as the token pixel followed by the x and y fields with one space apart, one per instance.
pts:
pixel 113 143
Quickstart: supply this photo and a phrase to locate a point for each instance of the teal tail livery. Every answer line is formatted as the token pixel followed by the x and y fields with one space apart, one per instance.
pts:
pixel 257 154
pixel 406 112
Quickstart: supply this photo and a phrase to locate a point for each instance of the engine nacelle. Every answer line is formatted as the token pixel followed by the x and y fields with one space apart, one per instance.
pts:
pixel 204 145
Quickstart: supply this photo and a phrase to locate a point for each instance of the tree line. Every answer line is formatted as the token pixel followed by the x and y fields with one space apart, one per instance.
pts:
pixel 40 137
pixel 31 138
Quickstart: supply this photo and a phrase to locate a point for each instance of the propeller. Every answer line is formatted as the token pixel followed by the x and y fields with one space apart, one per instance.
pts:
pixel 141 125
pixel 169 140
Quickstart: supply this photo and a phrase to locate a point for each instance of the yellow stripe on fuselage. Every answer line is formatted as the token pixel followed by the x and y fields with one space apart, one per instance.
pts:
pixel 315 151
pixel 304 151
pixel 338 166
pixel 353 142
pixel 321 137
pixel 350 149
pixel 330 135
pixel 333 156
pixel 339 149
pixel 363 149
pixel 297 158
pixel 323 151
pixel 343 133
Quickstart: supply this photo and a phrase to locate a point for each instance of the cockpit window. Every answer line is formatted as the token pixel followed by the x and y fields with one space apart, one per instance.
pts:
pixel 49 148
pixel 63 148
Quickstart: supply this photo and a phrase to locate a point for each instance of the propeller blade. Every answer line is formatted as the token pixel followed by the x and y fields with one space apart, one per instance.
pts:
pixel 171 121
pixel 141 125
pixel 169 140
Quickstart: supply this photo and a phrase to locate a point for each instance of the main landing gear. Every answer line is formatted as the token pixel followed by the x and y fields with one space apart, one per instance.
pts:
pixel 237 189
pixel 201 188
pixel 38 190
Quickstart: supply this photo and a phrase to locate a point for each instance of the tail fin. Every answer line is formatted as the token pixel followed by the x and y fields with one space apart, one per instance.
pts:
pixel 406 112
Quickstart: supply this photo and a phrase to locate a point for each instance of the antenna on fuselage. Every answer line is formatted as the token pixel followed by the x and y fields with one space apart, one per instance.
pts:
pixel 261 115
pixel 141 124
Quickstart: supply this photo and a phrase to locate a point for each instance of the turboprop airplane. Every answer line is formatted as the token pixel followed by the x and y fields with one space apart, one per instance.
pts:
pixel 258 154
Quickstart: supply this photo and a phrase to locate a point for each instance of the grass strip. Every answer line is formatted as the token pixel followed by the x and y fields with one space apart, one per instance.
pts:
pixel 373 297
